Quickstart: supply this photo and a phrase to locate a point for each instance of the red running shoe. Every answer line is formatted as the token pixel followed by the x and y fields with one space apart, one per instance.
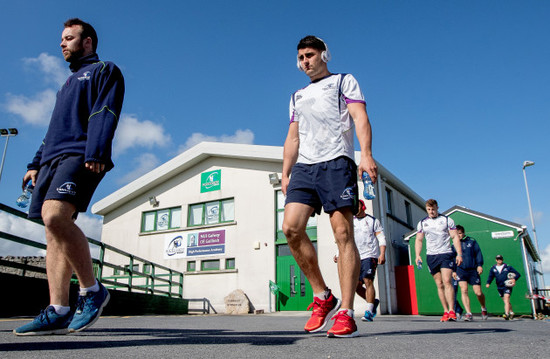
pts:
pixel 445 317
pixel 344 326
pixel 323 310
pixel 452 316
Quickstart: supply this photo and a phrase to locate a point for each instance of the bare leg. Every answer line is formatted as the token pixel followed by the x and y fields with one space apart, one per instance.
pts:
pixel 507 304
pixel 294 228
pixel 465 299
pixel 370 291
pixel 441 291
pixel 348 268
pixel 446 277
pixel 67 250
pixel 480 295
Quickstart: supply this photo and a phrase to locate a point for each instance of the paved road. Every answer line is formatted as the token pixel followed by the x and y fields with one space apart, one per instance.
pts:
pixel 280 335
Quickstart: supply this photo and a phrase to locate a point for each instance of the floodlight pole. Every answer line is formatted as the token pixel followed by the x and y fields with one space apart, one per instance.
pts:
pixel 6 132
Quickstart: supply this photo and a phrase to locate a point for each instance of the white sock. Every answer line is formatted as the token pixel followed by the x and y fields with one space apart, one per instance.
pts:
pixel 483 308
pixel 93 288
pixel 323 295
pixel 370 307
pixel 60 309
pixel 349 312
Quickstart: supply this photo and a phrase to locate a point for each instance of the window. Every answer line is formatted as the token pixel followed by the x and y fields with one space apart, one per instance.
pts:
pixel 389 208
pixel 230 263
pixel 409 213
pixel 161 220
pixel 191 266
pixel 211 212
pixel 146 268
pixel 211 264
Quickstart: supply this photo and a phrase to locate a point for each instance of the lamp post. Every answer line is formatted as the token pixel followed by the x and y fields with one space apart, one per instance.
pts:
pixel 6 132
pixel 527 164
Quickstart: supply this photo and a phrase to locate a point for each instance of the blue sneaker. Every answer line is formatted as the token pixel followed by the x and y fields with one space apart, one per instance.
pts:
pixel 88 309
pixel 368 317
pixel 47 322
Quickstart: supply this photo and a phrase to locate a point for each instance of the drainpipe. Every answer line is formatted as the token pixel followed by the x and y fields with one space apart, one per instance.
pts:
pixel 528 271
pixel 388 243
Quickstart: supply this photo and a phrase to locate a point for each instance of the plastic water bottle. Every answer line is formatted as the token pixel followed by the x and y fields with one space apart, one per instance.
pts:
pixel 419 265
pixel 25 198
pixel 368 191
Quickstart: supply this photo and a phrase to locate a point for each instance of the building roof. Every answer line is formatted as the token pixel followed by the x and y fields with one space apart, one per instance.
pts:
pixel 519 227
pixel 205 150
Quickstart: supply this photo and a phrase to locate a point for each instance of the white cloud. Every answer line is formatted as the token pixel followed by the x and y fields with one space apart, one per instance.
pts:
pixel 537 216
pixel 240 136
pixel 142 164
pixel 36 110
pixel 52 67
pixel 134 133
pixel 90 225
pixel 545 258
pixel 22 228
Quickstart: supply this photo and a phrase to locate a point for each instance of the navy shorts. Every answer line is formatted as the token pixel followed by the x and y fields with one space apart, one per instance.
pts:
pixel 368 268
pixel 504 290
pixel 330 185
pixel 65 179
pixel 468 275
pixel 438 261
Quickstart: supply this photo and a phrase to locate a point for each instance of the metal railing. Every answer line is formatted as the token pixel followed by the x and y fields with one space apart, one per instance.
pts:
pixel 158 280
pixel 206 306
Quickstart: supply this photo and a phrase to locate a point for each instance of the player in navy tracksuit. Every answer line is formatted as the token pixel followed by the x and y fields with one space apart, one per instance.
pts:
pixel 66 170
pixel 469 271
pixel 502 272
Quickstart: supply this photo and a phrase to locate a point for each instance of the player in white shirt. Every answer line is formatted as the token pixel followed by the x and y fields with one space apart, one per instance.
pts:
pixel 319 153
pixel 371 243
pixel 438 230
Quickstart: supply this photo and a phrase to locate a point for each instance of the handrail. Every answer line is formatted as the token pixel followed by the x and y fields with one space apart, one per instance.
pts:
pixel 173 280
pixel 206 305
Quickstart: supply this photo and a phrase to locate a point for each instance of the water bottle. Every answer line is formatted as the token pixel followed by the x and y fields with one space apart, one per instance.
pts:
pixel 24 199
pixel 419 265
pixel 368 191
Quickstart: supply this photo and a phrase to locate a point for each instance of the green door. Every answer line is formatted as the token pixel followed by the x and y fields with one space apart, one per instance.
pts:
pixel 295 292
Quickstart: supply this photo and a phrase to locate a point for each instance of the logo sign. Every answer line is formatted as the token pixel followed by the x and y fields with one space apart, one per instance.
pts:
pixel 193 244
pixel 502 234
pixel 211 181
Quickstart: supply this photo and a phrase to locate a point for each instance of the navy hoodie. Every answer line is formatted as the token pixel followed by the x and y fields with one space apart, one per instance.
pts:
pixel 85 115
pixel 502 276
pixel 471 254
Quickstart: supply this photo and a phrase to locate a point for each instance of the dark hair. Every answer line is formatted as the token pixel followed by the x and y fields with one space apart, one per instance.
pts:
pixel 313 42
pixel 431 203
pixel 87 30
pixel 460 228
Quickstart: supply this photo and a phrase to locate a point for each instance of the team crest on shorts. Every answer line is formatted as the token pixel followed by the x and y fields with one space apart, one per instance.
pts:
pixel 347 194
pixel 67 188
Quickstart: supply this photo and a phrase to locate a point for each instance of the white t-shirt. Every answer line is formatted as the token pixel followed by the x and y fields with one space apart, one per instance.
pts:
pixel 365 230
pixel 325 125
pixel 436 231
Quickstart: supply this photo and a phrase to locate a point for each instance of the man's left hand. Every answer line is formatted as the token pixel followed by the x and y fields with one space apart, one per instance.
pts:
pixel 95 167
pixel 367 164
pixel 382 259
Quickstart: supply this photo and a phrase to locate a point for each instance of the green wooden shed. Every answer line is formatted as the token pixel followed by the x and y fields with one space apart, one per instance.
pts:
pixel 494 236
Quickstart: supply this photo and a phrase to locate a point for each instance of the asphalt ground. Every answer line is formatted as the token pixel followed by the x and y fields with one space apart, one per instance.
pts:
pixel 280 335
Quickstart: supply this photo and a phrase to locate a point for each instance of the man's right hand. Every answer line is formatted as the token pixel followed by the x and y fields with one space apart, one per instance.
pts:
pixel 29 176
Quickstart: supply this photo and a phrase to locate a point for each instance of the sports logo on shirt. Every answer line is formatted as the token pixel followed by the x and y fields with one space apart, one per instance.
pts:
pixel 298 97
pixel 85 76
pixel 67 188
pixel 328 87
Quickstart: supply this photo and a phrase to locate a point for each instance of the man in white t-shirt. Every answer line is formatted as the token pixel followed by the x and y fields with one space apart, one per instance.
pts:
pixel 371 243
pixel 319 153
pixel 438 230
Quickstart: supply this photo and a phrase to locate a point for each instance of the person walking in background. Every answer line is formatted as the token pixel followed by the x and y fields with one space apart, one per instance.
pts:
pixel 505 277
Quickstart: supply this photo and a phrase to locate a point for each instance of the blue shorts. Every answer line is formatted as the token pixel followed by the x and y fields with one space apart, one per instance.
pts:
pixel 504 290
pixel 468 275
pixel 438 261
pixel 330 185
pixel 368 268
pixel 65 179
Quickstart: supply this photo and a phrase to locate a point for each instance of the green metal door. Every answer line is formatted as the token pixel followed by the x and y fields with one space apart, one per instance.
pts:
pixel 295 291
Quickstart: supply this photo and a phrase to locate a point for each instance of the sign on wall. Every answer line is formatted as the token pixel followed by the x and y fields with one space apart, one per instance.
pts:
pixel 211 181
pixel 502 234
pixel 194 244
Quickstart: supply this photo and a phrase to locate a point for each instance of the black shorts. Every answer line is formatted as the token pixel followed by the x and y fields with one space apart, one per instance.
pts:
pixel 65 179
pixel 468 275
pixel 368 268
pixel 329 185
pixel 438 261
pixel 504 290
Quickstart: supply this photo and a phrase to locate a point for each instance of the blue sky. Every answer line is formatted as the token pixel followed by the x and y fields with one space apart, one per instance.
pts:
pixel 457 91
